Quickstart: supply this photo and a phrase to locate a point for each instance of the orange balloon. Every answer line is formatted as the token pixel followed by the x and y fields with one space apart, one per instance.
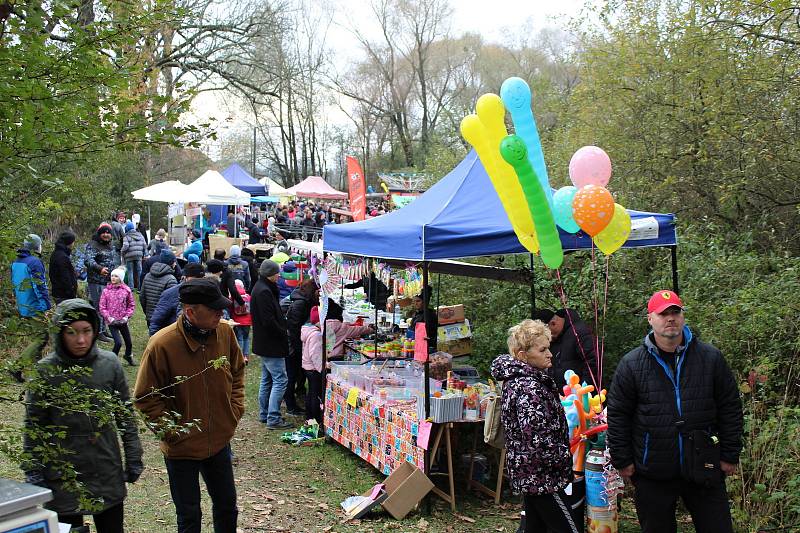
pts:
pixel 593 208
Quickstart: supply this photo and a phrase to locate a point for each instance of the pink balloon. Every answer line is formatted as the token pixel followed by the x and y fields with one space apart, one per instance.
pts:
pixel 590 165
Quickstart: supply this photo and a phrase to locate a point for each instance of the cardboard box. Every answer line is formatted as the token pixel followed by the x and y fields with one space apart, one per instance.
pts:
pixel 450 314
pixel 406 487
pixel 219 242
pixel 454 332
pixel 456 347
pixel 360 510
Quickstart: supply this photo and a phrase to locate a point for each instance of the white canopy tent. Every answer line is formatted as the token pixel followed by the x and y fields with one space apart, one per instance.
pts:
pixel 167 191
pixel 213 189
pixel 273 187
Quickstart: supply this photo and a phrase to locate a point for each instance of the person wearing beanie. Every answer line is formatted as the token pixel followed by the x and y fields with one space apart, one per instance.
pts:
pixel 29 279
pixel 116 308
pixel 158 243
pixel 100 261
pixel 215 401
pixel 219 270
pixel 237 267
pixel 167 258
pixel 104 467
pixel 573 347
pixel 192 258
pixel 63 277
pixel 118 233
pixel 133 250
pixel 195 246
pixel 168 306
pixel 270 343
pixel 161 277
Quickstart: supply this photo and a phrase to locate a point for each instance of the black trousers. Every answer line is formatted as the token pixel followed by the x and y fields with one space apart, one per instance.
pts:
pixel 184 485
pixel 656 502
pixel 109 521
pixel 314 396
pixel 548 513
pixel 121 330
pixel 297 380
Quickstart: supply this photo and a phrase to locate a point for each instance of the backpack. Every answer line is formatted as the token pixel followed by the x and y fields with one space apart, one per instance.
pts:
pixel 242 310
pixel 238 270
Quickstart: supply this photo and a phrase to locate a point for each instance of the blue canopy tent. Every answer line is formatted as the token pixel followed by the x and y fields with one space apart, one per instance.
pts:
pixel 461 216
pixel 239 178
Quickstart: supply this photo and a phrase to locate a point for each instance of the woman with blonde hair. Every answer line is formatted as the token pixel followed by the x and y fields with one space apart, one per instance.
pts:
pixel 538 461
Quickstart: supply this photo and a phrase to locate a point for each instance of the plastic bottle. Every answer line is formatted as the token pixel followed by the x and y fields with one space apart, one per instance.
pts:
pixel 595 480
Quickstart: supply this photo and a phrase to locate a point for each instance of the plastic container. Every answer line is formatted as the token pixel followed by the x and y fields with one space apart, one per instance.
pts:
pixel 595 480
pixel 601 520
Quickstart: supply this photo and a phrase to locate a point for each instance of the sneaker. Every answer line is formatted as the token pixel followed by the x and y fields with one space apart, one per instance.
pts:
pixel 130 361
pixel 104 338
pixel 283 424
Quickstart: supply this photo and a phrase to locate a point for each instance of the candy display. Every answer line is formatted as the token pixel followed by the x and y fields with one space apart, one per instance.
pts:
pixel 440 365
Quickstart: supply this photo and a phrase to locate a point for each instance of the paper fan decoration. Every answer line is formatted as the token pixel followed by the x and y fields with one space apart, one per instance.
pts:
pixel 329 279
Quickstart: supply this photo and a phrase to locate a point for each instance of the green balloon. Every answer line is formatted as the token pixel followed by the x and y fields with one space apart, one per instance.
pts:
pixel 514 151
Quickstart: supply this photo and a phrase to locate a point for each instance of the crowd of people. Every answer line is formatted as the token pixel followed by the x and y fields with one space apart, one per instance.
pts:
pixel 674 414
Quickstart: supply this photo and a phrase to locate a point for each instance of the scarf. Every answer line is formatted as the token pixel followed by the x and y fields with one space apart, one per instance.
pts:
pixel 198 333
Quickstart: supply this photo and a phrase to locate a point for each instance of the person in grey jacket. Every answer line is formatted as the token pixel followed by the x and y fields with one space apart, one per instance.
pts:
pixel 160 278
pixel 88 439
pixel 100 261
pixel 133 249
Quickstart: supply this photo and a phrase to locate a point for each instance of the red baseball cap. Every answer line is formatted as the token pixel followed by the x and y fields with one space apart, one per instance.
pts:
pixel 661 300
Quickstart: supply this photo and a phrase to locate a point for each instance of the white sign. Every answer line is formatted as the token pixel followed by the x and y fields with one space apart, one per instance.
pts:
pixel 174 210
pixel 644 229
pixel 194 211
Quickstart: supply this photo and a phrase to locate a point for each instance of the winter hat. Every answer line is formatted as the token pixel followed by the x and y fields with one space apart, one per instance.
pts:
pixel 194 269
pixel 66 237
pixel 314 316
pixel 129 225
pixel 105 227
pixel 192 258
pixel 544 315
pixel 161 233
pixel 119 272
pixel 33 243
pixel 289 266
pixel 195 234
pixel 166 257
pixel 214 266
pixel 268 268
pixel 236 251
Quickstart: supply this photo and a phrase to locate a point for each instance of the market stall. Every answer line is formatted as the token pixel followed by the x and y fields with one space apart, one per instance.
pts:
pixel 315 187
pixel 460 216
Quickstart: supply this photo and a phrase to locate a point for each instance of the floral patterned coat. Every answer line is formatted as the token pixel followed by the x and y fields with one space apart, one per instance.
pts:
pixel 537 440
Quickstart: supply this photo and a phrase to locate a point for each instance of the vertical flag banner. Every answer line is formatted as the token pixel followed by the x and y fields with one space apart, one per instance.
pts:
pixel 358 188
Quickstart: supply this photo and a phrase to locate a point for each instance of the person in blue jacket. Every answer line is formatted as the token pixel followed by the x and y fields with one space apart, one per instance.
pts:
pixel 166 311
pixel 29 278
pixel 195 247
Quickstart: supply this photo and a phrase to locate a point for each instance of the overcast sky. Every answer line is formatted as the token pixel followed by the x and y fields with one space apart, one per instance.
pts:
pixel 493 19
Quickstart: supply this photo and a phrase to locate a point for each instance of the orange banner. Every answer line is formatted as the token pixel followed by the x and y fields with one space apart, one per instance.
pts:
pixel 358 189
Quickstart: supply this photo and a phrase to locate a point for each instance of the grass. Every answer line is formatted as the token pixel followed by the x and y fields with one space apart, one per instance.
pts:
pixel 285 488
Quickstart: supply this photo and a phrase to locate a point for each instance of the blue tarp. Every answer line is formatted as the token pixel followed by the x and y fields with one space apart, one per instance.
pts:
pixel 239 178
pixel 461 216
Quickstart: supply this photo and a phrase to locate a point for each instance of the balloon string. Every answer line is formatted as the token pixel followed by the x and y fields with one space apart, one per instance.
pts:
pixel 596 306
pixel 605 316
pixel 563 295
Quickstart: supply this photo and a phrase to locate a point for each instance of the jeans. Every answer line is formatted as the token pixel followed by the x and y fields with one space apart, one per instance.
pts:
pixel 184 485
pixel 133 273
pixel 243 336
pixel 270 392
pixel 121 330
pixel 93 291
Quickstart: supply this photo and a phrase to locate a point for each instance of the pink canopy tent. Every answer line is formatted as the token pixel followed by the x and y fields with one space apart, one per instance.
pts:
pixel 315 187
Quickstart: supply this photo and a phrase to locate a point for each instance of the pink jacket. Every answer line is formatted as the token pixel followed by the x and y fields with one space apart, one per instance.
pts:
pixel 116 303
pixel 344 331
pixel 312 347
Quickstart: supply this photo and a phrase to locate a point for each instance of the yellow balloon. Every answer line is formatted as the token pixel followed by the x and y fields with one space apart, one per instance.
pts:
pixel 504 180
pixel 616 233
pixel 492 112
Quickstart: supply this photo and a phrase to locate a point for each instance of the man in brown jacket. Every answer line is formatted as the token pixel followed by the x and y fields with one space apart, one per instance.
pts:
pixel 208 397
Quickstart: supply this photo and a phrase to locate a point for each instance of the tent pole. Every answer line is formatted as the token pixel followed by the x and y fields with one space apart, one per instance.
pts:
pixel 373 289
pixel 426 376
pixel 533 289
pixel 674 254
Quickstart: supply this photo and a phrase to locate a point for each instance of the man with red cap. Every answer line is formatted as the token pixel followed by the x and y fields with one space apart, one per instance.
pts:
pixel 675 423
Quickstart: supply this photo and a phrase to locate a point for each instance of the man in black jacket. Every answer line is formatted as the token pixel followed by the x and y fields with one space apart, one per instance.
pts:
pixel 271 343
pixel 675 423
pixel 63 278
pixel 302 300
pixel 572 345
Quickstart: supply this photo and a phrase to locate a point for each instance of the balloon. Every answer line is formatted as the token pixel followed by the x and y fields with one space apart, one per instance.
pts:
pixel 616 233
pixel 385 188
pixel 515 152
pixel 593 208
pixel 590 165
pixel 503 179
pixel 562 209
pixel 516 95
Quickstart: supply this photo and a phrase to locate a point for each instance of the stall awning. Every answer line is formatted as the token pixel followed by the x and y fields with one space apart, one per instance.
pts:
pixel 167 191
pixel 315 187
pixel 461 216
pixel 213 189
pixel 239 178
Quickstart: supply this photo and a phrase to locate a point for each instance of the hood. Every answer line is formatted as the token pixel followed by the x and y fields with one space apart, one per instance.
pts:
pixel 571 317
pixel 62 314
pixel 506 367
pixel 651 345
pixel 22 253
pixel 64 248
pixel 297 295
pixel 134 234
pixel 307 331
pixel 160 269
pixel 234 260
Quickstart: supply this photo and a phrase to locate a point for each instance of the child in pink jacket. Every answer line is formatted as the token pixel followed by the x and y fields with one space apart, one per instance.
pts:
pixel 311 336
pixel 334 322
pixel 116 308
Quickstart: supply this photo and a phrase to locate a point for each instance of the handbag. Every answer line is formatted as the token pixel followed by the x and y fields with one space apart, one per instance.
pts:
pixel 701 458
pixel 493 433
